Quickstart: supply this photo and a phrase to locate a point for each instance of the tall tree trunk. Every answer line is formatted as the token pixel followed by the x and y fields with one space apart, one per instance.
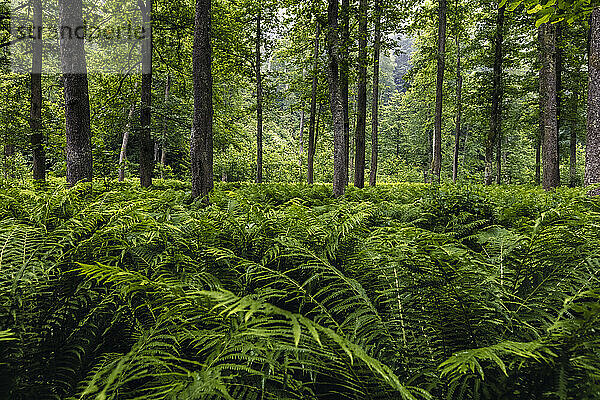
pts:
pixel 573 181
pixel 313 109
pixel 493 137
pixel 436 164
pixel 259 104
pixel 458 117
pixel 361 106
pixel 146 145
pixel 344 63
pixel 375 104
pixel 335 101
pixel 538 156
pixel 77 103
pixel 35 121
pixel 123 153
pixel 301 139
pixel 201 146
pixel 592 149
pixel 551 175
pixel 499 140
pixel 163 144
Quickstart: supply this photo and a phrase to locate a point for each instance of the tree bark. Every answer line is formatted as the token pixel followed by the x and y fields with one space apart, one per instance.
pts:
pixel 592 149
pixel 259 104
pixel 361 106
pixel 335 101
pixel 35 121
pixel 493 137
pixel 573 181
pixel 77 103
pixel 123 153
pixel 313 109
pixel 201 146
pixel 344 82
pixel 458 117
pixel 551 174
pixel 146 144
pixel 375 104
pixel 436 164
pixel 538 156
pixel 301 138
pixel 163 149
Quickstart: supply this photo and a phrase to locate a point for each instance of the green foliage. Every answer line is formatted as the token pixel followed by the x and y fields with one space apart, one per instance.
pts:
pixel 281 292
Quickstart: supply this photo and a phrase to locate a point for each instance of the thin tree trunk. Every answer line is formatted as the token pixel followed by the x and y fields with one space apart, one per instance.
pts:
pixel 35 121
pixel 123 153
pixel 201 146
pixel 375 104
pixel 344 63
pixel 551 175
pixel 301 141
pixel 436 164
pixel 361 106
pixel 146 145
pixel 77 103
pixel 335 101
pixel 573 181
pixel 538 156
pixel 592 149
pixel 493 137
pixel 313 109
pixel 499 140
pixel 259 104
pixel 163 149
pixel 459 83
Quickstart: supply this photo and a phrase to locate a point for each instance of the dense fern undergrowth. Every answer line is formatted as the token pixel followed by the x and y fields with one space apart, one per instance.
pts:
pixel 280 292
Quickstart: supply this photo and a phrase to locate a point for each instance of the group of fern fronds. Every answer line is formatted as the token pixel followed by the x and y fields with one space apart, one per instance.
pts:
pixel 282 292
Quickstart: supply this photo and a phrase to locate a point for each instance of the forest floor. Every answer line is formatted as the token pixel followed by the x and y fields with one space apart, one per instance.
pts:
pixel 281 291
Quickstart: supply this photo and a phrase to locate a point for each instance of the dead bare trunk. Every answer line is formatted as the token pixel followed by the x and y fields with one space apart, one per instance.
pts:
pixel 123 153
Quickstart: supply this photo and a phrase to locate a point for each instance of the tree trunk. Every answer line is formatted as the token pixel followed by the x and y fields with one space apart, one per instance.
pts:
pixel 538 156
pixel 335 101
pixel 163 150
pixel 459 83
pixel 259 104
pixel 201 146
pixel 592 149
pixel 375 104
pixel 436 164
pixel 146 145
pixel 573 181
pixel 551 175
pixel 344 63
pixel 35 121
pixel 301 139
pixel 493 137
pixel 123 153
pixel 361 106
pixel 77 103
pixel 313 109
